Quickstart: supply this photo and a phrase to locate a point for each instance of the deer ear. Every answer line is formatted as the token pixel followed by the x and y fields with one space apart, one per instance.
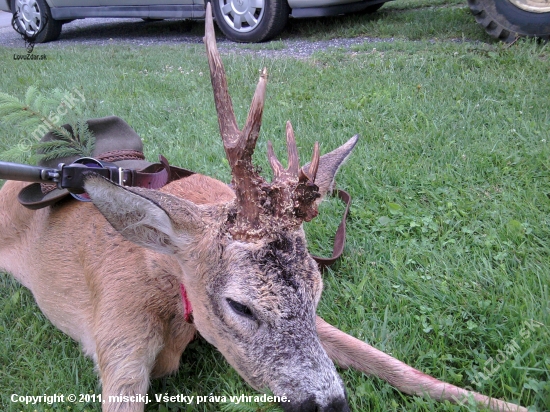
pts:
pixel 149 218
pixel 329 165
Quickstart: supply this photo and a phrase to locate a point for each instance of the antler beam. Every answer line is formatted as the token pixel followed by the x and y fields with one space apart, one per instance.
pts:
pixel 290 198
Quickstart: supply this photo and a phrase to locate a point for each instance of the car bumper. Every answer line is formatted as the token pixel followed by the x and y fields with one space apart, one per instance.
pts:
pixel 184 11
pixel 300 9
pixel 5 5
pixel 321 8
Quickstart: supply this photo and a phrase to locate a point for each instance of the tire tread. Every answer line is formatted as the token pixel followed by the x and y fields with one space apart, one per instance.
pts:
pixel 499 26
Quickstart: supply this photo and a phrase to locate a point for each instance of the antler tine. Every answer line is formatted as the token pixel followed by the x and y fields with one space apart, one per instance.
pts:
pixel 251 129
pixel 276 166
pixel 224 106
pixel 311 173
pixel 239 145
pixel 314 166
pixel 292 150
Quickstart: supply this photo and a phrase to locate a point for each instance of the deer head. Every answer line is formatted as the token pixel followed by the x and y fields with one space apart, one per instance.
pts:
pixel 253 286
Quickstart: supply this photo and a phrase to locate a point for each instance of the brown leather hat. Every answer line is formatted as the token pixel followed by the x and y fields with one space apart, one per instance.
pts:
pixel 115 141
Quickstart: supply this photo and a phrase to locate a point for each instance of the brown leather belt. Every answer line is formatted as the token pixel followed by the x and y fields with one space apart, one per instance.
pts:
pixel 340 237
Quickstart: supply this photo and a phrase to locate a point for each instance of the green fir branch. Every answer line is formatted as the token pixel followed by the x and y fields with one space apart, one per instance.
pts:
pixel 81 144
pixel 37 114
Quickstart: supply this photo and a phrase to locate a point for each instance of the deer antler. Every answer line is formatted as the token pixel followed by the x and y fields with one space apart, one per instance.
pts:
pixel 290 198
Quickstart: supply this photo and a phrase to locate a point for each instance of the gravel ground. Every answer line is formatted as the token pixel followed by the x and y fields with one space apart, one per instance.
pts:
pixel 101 32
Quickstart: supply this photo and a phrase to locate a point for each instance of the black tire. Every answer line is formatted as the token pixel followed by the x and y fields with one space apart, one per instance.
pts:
pixel 35 16
pixel 506 21
pixel 266 18
pixel 371 9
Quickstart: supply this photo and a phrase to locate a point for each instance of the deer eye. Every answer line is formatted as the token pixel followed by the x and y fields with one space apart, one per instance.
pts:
pixel 240 309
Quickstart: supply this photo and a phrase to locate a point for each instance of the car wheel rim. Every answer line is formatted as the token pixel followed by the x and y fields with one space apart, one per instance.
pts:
pixel 534 6
pixel 28 16
pixel 242 15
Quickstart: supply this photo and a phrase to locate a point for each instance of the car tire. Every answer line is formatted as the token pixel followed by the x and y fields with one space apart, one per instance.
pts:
pixel 506 20
pixel 35 16
pixel 371 9
pixel 251 21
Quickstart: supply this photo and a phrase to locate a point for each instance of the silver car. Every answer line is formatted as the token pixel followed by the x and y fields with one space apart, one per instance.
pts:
pixel 239 20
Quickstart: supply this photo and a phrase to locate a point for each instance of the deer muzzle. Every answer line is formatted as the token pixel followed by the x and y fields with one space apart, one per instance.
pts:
pixel 337 404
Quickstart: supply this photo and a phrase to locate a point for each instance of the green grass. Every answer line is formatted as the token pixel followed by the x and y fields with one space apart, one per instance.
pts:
pixel 411 20
pixel 447 256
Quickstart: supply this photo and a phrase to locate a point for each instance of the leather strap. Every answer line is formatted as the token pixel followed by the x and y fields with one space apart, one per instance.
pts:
pixel 340 237
pixel 154 176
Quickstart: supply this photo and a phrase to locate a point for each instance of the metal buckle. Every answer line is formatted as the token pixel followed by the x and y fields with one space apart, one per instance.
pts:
pixel 73 175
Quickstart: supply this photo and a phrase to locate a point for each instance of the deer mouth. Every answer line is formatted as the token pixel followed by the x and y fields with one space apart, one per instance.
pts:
pixel 338 404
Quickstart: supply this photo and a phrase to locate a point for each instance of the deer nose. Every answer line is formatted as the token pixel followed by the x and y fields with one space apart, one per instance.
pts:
pixel 339 404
